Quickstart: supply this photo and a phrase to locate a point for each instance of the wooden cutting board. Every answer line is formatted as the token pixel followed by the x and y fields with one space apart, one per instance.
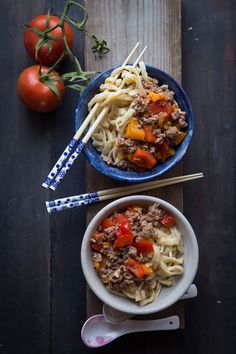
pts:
pixel 122 23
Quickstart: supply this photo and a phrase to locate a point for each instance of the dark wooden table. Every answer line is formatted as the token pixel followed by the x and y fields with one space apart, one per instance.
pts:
pixel 42 294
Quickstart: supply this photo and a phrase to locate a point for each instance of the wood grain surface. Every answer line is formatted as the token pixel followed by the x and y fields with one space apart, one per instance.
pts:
pixel 122 24
pixel 42 288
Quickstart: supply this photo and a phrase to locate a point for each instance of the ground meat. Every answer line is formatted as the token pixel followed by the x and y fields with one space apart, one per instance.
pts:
pixel 172 133
pixel 152 85
pixel 97 257
pixel 146 229
pixel 120 278
pixel 129 145
pixel 154 214
pixel 169 95
pixel 134 214
pixel 136 227
pixel 144 258
pixel 141 105
pixel 182 120
pixel 175 115
pixel 132 252
pixel 159 136
pixel 149 120
pixel 179 117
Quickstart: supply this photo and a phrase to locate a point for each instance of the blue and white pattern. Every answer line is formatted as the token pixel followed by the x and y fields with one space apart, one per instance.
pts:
pixel 73 199
pixel 71 205
pixel 67 166
pixel 58 165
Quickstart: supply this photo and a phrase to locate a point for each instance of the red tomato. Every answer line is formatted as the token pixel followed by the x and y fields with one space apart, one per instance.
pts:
pixel 45 56
pixel 34 93
pixel 167 220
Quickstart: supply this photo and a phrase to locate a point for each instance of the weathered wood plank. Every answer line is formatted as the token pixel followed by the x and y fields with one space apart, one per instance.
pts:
pixel 209 69
pixel 25 231
pixel 68 302
pixel 123 23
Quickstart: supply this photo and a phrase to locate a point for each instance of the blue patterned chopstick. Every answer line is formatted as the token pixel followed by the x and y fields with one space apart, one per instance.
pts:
pixel 58 165
pixel 93 197
pixel 72 204
pixel 57 180
pixel 73 199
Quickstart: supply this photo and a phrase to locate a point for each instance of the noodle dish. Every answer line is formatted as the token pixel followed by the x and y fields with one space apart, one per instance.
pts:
pixel 147 128
pixel 139 254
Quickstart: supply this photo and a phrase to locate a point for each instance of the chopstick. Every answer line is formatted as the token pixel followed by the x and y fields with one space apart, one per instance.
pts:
pixel 85 139
pixel 94 197
pixel 65 155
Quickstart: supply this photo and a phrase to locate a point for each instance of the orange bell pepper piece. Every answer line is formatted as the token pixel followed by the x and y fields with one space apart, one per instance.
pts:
pixel 143 159
pixel 138 269
pixel 147 270
pixel 162 119
pixel 133 130
pixel 156 96
pixel 180 138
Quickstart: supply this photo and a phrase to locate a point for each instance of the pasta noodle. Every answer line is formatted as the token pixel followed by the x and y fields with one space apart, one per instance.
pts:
pixel 110 130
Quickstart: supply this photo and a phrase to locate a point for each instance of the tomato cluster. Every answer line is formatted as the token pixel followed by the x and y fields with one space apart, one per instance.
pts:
pixel 37 90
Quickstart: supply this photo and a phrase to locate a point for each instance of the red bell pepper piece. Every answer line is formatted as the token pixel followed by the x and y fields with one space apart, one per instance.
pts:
pixel 98 236
pixel 143 159
pixel 135 267
pixel 123 225
pixel 107 223
pixel 167 220
pixel 149 136
pixel 160 106
pixel 121 219
pixel 164 151
pixel 123 240
pixel 96 247
pixel 144 246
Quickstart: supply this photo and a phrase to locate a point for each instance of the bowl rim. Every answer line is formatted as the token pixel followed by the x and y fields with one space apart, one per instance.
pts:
pixel 107 297
pixel 112 171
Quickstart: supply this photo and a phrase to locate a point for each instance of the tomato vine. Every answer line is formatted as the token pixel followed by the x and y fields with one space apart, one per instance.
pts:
pixel 78 78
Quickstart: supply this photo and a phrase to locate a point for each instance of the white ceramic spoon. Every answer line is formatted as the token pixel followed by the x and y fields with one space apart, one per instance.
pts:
pixel 97 332
pixel 115 316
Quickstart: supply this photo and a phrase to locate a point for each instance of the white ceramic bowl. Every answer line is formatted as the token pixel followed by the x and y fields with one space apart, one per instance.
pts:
pixel 168 295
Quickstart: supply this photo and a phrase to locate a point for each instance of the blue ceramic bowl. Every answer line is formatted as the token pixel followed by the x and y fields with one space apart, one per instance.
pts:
pixel 94 156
